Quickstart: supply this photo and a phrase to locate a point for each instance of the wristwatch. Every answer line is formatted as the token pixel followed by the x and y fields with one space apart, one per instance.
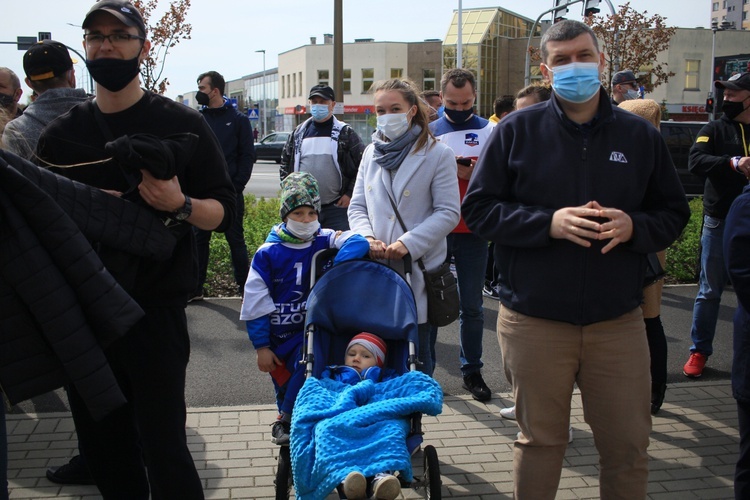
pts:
pixel 184 212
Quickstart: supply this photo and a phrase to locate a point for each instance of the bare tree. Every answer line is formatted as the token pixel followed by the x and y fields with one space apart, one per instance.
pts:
pixel 636 40
pixel 167 32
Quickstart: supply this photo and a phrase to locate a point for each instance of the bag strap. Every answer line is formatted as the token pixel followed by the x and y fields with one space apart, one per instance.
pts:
pixel 403 226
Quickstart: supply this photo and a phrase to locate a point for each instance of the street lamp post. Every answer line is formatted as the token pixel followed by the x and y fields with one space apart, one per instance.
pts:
pixel 263 80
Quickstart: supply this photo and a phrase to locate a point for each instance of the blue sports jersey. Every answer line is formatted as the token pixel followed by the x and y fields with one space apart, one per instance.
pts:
pixel 279 283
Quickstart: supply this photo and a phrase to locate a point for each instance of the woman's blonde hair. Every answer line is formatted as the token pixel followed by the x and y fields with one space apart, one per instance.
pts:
pixel 411 92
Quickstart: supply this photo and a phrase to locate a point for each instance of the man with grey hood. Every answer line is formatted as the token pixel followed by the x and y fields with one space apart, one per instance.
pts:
pixel 49 72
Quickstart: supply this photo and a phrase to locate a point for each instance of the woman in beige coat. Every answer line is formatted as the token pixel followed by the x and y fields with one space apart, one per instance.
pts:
pixel 406 164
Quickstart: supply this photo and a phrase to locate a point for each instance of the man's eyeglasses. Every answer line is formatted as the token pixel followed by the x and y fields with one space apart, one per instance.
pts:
pixel 116 39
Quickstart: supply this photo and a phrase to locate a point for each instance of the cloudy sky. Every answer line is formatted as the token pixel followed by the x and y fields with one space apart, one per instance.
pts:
pixel 227 33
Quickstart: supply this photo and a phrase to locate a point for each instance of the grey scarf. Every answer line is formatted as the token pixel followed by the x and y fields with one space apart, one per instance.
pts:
pixel 390 155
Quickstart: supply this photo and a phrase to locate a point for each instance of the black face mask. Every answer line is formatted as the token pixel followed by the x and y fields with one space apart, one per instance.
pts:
pixel 733 109
pixel 459 116
pixel 113 74
pixel 202 98
pixel 6 101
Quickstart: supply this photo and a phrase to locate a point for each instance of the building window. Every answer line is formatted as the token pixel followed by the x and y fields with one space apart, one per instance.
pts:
pixel 397 72
pixel 692 74
pixel 301 86
pixel 715 6
pixel 294 84
pixel 323 77
pixel 428 79
pixel 368 78
pixel 282 86
pixel 347 81
pixel 744 16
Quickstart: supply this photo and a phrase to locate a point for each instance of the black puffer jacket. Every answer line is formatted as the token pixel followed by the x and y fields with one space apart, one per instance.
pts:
pixel 59 307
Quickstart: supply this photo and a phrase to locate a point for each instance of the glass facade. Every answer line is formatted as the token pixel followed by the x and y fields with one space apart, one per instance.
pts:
pixel 257 88
pixel 482 34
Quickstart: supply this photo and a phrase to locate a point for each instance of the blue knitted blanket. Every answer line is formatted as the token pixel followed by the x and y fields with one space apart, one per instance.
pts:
pixel 339 428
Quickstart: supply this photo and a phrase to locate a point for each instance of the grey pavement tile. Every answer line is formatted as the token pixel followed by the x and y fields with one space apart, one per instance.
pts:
pixel 692 451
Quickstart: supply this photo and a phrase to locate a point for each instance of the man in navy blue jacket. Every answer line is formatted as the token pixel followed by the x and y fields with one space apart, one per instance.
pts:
pixel 232 129
pixel 575 193
pixel 737 257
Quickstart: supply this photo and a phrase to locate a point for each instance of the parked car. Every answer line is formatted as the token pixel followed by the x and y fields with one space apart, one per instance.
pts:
pixel 270 147
pixel 680 136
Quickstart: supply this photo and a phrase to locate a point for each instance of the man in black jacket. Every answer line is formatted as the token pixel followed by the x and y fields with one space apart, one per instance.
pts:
pixel 721 156
pixel 187 186
pixel 573 205
pixel 329 150
pixel 232 128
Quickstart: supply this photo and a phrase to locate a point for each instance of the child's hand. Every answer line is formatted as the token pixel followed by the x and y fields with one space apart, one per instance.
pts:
pixel 267 360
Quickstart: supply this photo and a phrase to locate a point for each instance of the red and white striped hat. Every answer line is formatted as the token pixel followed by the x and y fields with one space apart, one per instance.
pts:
pixel 372 343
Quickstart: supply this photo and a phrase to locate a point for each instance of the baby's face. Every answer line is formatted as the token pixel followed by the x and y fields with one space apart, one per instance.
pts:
pixel 359 358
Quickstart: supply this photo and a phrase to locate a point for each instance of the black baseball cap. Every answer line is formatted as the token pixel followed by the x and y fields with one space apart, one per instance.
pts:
pixel 124 11
pixel 323 91
pixel 624 76
pixel 46 59
pixel 740 81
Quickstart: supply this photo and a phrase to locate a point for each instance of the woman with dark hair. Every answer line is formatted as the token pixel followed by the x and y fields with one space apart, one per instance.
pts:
pixel 405 166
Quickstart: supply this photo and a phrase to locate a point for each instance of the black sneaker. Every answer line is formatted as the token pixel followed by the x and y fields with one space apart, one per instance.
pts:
pixel 280 432
pixel 74 472
pixel 489 291
pixel 195 296
pixel 474 383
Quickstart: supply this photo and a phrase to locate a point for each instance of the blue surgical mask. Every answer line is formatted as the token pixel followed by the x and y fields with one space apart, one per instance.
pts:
pixel 576 82
pixel 319 112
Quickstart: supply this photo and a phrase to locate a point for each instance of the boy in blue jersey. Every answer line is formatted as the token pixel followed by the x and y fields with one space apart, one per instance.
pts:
pixel 275 296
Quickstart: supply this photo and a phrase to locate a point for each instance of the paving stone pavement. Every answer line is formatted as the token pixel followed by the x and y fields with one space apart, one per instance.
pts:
pixel 692 453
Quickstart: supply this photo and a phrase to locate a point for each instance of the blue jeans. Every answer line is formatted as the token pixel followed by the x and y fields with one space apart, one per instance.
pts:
pixel 469 254
pixel 235 236
pixel 334 217
pixel 713 279
pixel 426 351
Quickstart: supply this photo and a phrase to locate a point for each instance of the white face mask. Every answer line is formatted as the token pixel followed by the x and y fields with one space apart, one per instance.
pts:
pixel 630 94
pixel 305 231
pixel 393 125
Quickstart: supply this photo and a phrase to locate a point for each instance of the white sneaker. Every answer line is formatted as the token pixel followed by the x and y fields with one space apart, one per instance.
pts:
pixel 385 487
pixel 355 486
pixel 509 413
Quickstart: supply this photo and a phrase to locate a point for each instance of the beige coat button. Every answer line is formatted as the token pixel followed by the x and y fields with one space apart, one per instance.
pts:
pixel 407 192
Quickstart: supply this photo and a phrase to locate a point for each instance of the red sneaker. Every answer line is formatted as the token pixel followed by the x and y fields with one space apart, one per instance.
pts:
pixel 695 364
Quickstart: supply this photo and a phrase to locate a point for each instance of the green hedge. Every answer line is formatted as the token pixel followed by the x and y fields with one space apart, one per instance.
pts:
pixel 261 214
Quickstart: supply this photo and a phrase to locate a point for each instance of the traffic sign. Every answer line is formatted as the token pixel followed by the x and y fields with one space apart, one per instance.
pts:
pixel 252 113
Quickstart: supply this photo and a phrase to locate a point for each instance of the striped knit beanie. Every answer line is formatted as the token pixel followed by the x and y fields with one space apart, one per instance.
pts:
pixel 372 343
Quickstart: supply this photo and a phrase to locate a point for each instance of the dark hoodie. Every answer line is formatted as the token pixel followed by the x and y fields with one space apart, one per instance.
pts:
pixel 538 161
pixel 232 129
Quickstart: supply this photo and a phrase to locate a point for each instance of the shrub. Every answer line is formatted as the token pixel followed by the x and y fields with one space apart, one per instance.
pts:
pixel 260 215
pixel 683 257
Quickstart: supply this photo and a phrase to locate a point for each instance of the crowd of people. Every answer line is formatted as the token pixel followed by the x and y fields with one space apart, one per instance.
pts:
pixel 566 259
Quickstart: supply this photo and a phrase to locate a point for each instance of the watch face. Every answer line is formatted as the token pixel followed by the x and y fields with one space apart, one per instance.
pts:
pixel 184 212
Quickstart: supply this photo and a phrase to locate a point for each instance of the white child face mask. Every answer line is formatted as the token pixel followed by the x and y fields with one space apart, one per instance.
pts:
pixel 305 231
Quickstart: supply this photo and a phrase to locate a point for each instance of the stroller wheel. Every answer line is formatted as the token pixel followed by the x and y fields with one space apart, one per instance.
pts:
pixel 432 481
pixel 283 474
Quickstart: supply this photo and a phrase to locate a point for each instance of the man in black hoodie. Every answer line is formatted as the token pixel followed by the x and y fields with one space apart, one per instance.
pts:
pixel 575 192
pixel 232 128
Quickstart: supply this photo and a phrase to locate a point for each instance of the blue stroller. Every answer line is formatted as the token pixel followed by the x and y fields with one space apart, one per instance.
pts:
pixel 356 296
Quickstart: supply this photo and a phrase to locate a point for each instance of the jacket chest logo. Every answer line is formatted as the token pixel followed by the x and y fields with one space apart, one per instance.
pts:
pixel 618 157
pixel 471 139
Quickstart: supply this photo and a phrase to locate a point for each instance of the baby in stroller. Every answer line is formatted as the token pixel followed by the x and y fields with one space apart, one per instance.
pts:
pixel 359 421
pixel 363 360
